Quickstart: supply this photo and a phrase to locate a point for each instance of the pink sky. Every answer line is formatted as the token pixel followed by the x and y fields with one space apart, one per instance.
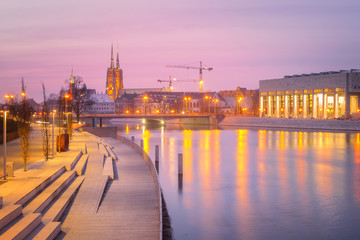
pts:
pixel 244 42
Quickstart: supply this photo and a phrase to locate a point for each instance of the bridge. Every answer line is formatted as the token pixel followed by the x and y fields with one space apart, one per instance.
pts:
pixel 158 118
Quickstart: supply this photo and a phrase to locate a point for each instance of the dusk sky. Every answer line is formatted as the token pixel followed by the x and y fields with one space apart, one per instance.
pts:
pixel 244 41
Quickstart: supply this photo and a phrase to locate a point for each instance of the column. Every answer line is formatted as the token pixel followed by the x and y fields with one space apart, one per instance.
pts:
pixel 277 106
pixel 336 105
pixel 261 106
pixel 269 106
pixel 315 106
pixel 305 106
pixel 347 98
pixel 295 106
pixel 286 106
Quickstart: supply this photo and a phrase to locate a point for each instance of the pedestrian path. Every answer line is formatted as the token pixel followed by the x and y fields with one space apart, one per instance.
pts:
pixel 129 205
pixel 122 203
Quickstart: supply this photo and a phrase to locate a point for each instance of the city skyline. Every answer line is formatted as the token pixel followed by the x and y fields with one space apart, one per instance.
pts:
pixel 244 42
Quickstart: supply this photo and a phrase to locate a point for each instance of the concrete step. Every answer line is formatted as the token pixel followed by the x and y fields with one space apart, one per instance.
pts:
pixel 49 232
pixel 23 194
pixel 109 167
pixel 103 149
pixel 73 163
pixel 80 166
pixel 38 204
pixel 22 228
pixel 8 214
pixel 56 211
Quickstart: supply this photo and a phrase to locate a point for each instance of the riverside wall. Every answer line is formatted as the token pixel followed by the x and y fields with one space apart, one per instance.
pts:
pixel 315 124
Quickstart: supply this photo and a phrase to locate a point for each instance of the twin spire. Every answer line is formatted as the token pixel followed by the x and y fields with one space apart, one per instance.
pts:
pixel 112 58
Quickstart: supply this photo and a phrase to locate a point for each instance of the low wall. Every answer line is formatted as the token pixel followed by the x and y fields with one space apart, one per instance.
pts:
pixel 346 125
pixel 101 131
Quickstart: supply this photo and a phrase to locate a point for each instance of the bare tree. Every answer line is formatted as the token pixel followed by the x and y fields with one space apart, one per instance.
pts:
pixel 80 98
pixel 45 126
pixel 22 112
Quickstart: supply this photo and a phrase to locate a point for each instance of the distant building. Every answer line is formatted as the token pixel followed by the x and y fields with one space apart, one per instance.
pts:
pixel 325 95
pixel 103 104
pixel 114 78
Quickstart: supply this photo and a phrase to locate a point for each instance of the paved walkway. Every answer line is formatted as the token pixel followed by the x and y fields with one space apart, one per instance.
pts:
pixel 39 165
pixel 128 210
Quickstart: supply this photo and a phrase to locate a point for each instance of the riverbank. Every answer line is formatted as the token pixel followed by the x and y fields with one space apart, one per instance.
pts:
pixel 315 124
pixel 104 187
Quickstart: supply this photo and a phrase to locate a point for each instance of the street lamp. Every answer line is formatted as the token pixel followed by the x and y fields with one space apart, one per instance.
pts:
pixel 7 97
pixel 238 105
pixel 4 142
pixel 215 101
pixel 187 99
pixel 23 95
pixel 53 127
pixel 208 99
pixel 145 98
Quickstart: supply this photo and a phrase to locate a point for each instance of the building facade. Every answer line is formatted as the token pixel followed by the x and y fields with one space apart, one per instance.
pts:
pixel 102 104
pixel 325 95
pixel 114 77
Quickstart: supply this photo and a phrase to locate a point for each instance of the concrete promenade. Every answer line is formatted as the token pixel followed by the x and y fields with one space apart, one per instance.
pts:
pixel 126 207
pixel 313 124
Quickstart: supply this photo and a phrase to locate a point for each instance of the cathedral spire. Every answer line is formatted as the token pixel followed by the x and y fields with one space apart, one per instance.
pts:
pixel 117 58
pixel 72 75
pixel 112 57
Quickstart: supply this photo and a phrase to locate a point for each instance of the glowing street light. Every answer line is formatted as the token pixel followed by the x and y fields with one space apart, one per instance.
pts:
pixel 53 137
pixel 208 99
pixel 4 142
pixel 215 101
pixel 145 98
pixel 187 99
pixel 238 105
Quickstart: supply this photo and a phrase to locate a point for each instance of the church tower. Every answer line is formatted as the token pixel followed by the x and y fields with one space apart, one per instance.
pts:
pixel 114 80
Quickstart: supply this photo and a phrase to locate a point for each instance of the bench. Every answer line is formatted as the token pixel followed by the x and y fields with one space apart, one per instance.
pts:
pixel 108 167
pixel 56 211
pixel 22 228
pixel 8 214
pixel 44 199
pixel 80 166
pixel 73 163
pixel 49 232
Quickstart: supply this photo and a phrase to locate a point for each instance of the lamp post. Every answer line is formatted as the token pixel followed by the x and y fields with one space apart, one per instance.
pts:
pixel 145 98
pixel 23 95
pixel 187 99
pixel 215 101
pixel 53 133
pixel 208 99
pixel 238 106
pixel 4 143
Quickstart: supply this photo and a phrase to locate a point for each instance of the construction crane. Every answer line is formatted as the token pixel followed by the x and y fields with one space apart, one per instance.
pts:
pixel 201 68
pixel 171 80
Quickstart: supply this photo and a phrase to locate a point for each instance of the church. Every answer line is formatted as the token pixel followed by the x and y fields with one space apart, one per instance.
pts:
pixel 114 78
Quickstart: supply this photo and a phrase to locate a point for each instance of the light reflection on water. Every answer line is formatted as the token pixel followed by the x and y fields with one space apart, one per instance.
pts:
pixel 259 184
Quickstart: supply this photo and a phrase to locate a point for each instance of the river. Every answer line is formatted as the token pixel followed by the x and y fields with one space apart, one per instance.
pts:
pixel 257 183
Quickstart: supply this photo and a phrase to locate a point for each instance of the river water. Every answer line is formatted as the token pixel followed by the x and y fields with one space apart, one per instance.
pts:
pixel 257 183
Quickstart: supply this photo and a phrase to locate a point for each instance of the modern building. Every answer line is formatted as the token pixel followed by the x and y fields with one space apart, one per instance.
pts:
pixel 325 95
pixel 114 79
pixel 103 104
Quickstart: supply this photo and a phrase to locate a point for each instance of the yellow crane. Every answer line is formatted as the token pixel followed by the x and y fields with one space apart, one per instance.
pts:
pixel 201 68
pixel 171 80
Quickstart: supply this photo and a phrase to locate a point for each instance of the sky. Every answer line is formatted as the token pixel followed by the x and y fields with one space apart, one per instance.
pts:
pixel 243 41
